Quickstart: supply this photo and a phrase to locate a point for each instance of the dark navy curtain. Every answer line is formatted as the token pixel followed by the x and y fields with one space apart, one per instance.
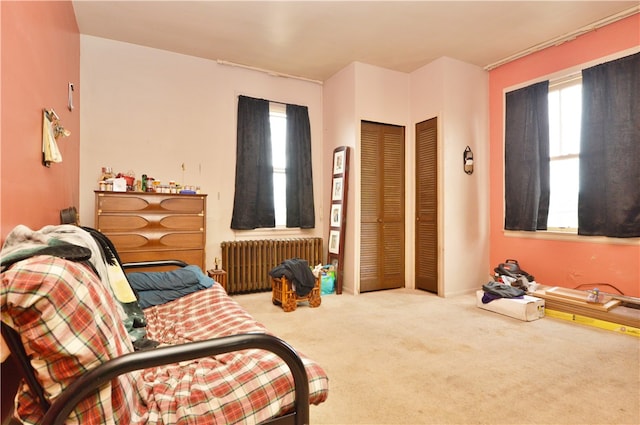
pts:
pixel 300 206
pixel 527 158
pixel 609 198
pixel 253 204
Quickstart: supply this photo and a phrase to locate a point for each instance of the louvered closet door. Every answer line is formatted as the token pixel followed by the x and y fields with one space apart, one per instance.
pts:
pixel 427 205
pixel 382 207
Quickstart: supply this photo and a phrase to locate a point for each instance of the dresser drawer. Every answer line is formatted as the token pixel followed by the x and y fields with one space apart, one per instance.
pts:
pixel 149 202
pixel 111 222
pixel 144 241
pixel 154 226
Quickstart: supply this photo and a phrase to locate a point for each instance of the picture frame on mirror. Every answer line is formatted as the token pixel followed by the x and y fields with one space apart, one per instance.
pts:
pixel 338 162
pixel 334 241
pixel 336 215
pixel 336 191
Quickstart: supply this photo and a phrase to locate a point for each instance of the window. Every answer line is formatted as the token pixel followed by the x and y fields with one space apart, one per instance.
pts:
pixel 254 203
pixel 571 150
pixel 565 106
pixel 278 121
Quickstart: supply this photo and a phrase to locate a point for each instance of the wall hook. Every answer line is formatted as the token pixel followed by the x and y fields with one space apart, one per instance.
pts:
pixel 70 90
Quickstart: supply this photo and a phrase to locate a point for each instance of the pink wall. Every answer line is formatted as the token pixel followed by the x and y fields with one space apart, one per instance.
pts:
pixel 559 263
pixel 40 56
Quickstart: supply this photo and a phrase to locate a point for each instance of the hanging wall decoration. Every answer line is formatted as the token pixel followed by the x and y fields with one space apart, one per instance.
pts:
pixel 52 130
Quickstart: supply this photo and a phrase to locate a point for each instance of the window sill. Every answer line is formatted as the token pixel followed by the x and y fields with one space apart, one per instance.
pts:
pixel 278 231
pixel 566 236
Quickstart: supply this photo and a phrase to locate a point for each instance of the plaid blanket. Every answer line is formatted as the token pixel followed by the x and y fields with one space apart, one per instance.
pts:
pixel 67 320
pixel 69 323
pixel 248 386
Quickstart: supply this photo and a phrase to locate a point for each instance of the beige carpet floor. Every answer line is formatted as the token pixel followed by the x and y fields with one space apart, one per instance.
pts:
pixel 409 357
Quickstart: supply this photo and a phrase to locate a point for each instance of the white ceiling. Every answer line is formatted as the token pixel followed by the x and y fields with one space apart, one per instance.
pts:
pixel 315 39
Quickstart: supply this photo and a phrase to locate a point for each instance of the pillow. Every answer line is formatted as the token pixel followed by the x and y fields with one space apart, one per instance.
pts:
pixel 155 288
pixel 69 323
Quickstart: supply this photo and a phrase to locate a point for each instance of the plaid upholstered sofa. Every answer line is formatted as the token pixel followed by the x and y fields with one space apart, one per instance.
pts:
pixel 213 362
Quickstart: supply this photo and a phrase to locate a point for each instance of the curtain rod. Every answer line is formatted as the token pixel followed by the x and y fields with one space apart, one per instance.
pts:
pixel 567 37
pixel 272 101
pixel 266 71
pixel 565 79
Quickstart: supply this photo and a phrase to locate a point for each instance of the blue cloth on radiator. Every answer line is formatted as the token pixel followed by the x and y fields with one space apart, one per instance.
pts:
pixel 155 288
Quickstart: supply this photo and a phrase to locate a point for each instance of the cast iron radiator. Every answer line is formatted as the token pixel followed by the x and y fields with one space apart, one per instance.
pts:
pixel 248 262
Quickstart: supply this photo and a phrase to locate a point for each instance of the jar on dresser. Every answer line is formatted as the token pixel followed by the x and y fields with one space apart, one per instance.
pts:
pixel 149 226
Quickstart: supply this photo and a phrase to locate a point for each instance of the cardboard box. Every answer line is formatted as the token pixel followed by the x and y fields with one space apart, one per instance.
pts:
pixel 527 309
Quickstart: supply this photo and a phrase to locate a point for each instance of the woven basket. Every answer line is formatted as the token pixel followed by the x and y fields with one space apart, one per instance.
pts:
pixel 283 294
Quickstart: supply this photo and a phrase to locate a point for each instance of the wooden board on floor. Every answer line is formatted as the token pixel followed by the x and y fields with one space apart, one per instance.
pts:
pixel 577 295
pixel 625 315
pixel 621 314
pixel 579 298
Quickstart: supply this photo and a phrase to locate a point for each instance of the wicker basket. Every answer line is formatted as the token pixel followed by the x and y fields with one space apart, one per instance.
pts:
pixel 283 294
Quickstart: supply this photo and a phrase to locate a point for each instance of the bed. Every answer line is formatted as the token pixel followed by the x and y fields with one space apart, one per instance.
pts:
pixel 214 363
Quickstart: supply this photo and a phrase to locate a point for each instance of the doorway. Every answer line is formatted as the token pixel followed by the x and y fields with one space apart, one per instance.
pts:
pixel 382 227
pixel 426 236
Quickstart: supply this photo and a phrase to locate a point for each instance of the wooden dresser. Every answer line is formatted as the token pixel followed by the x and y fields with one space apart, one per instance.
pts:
pixel 146 226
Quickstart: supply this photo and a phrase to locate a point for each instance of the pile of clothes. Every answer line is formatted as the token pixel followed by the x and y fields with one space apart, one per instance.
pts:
pixel 510 281
pixel 298 272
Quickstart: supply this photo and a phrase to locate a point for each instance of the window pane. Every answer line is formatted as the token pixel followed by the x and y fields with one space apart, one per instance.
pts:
pixel 278 121
pixel 563 201
pixel 280 198
pixel 554 123
pixel 565 110
pixel 278 137
pixel 570 113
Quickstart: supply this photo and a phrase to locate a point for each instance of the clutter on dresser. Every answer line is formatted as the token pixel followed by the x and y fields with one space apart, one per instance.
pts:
pixel 110 181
